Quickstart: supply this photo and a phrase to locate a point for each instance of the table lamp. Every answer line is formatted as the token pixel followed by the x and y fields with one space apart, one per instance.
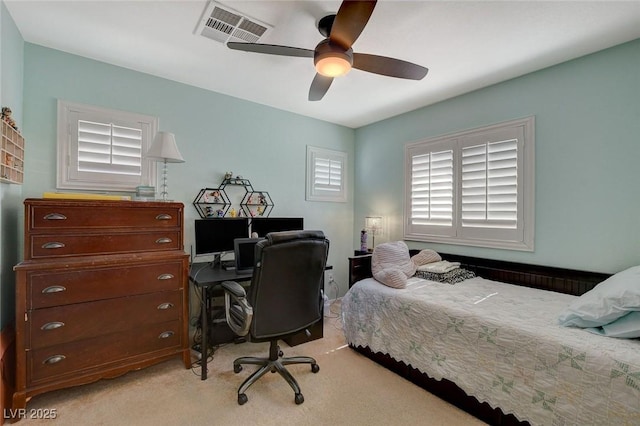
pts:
pixel 373 225
pixel 164 149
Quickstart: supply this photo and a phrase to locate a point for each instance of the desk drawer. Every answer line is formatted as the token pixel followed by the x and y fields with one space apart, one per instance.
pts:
pixel 60 245
pixel 54 288
pixel 60 217
pixel 84 356
pixel 54 326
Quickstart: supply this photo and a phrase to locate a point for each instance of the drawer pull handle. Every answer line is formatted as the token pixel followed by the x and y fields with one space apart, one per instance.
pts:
pixel 52 245
pixel 165 276
pixel 165 335
pixel 55 216
pixel 165 306
pixel 54 359
pixel 163 240
pixel 52 325
pixel 54 289
pixel 164 216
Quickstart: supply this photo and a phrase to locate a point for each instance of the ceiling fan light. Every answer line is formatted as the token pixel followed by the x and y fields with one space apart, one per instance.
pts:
pixel 333 66
pixel 332 60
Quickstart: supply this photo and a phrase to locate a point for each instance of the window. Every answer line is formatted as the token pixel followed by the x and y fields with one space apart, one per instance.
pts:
pixel 326 175
pixel 102 149
pixel 473 188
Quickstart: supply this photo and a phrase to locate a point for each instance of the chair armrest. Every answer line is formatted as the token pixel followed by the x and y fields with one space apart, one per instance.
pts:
pixel 238 312
pixel 234 288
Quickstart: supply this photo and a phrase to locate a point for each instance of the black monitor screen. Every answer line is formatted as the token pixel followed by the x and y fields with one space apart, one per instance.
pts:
pixel 217 235
pixel 263 225
pixel 245 253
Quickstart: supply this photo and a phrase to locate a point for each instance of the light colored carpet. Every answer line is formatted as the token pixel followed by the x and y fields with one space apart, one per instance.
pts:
pixel 348 389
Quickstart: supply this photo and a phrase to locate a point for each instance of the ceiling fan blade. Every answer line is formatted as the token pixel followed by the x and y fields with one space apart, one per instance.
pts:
pixel 271 49
pixel 388 66
pixel 349 22
pixel 319 87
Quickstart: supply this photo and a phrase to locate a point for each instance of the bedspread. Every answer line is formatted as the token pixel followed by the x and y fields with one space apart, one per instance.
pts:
pixel 502 344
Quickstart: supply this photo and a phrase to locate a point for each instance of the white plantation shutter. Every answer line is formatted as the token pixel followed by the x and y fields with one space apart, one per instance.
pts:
pixel 432 189
pixel 326 175
pixel 430 186
pixel 102 149
pixel 490 185
pixel 473 188
pixel 108 148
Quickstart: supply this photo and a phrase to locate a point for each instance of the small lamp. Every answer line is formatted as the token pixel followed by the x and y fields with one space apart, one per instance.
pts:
pixel 373 225
pixel 164 148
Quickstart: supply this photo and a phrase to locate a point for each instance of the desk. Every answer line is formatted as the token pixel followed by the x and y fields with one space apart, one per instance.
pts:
pixel 203 276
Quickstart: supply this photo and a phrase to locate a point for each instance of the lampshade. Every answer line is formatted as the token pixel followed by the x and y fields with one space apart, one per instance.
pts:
pixel 333 66
pixel 331 60
pixel 164 148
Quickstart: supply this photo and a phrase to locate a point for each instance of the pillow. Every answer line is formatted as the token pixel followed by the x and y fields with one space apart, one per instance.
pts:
pixel 391 264
pixel 627 326
pixel 425 256
pixel 611 299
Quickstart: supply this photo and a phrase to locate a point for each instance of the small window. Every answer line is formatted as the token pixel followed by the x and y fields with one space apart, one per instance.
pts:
pixel 103 149
pixel 326 175
pixel 473 188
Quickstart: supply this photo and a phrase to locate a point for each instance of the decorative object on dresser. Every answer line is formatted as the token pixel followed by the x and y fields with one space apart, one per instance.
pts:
pixel 164 149
pixel 102 290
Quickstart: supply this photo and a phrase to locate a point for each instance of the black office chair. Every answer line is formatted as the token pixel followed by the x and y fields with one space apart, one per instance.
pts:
pixel 284 299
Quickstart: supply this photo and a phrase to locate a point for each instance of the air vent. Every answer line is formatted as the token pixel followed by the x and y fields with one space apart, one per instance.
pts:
pixel 223 24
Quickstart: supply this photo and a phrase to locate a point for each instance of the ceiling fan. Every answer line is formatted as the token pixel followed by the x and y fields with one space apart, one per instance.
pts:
pixel 333 56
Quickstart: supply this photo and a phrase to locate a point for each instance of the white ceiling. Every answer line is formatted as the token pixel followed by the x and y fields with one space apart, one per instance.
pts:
pixel 466 46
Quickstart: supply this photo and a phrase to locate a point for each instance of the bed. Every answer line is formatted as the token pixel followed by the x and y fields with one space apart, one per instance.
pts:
pixel 492 346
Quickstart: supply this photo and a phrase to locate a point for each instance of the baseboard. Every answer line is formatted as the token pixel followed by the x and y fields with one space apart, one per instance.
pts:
pixel 7 368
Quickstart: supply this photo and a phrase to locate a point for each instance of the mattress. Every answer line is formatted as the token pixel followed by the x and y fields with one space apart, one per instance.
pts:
pixel 502 344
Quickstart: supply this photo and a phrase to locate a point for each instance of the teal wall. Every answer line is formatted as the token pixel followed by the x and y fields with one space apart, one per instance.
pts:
pixel 587 151
pixel 11 70
pixel 215 133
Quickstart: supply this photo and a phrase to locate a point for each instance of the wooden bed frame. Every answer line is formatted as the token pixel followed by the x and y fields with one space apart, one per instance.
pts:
pixel 543 277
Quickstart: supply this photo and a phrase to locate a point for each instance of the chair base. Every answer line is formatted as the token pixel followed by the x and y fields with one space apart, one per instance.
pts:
pixel 275 363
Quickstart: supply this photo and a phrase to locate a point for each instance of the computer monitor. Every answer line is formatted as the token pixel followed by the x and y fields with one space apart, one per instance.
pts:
pixel 215 236
pixel 263 225
pixel 244 250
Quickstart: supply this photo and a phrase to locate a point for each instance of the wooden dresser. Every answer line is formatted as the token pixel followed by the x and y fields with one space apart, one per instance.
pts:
pixel 102 290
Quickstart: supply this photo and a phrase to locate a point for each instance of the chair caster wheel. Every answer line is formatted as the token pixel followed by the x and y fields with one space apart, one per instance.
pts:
pixel 315 368
pixel 242 399
pixel 299 398
pixel 237 369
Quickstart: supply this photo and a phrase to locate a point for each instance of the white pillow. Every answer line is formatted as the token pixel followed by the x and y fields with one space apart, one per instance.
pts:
pixel 628 326
pixel 425 256
pixel 611 299
pixel 391 264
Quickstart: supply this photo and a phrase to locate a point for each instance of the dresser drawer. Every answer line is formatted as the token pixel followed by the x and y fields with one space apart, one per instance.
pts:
pixel 49 246
pixel 60 217
pixel 53 288
pixel 99 353
pixel 62 324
